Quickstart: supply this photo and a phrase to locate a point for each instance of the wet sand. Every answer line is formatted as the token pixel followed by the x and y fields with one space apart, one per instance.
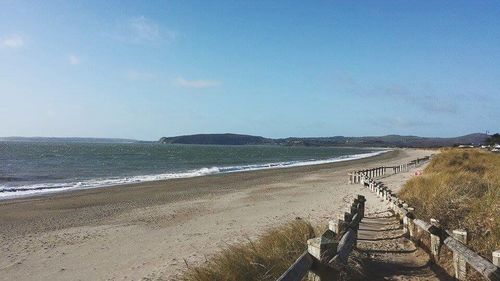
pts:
pixel 147 231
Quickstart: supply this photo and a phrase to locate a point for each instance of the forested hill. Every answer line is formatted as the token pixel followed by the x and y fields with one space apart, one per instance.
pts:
pixel 227 139
pixel 381 141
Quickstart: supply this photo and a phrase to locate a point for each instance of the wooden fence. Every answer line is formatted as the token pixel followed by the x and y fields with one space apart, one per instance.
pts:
pixel 331 249
pixel 356 176
pixel 456 240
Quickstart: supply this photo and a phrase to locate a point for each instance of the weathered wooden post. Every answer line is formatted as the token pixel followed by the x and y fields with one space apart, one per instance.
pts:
pixel 337 225
pixel 459 263
pixel 319 246
pixel 322 249
pixel 361 206
pixel 496 258
pixel 354 207
pixel 435 241
pixel 405 225
pixel 411 225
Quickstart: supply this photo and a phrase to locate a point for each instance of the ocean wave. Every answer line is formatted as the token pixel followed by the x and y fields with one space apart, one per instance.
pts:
pixel 8 192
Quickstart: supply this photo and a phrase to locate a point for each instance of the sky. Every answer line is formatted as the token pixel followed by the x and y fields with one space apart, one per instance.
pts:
pixel 147 69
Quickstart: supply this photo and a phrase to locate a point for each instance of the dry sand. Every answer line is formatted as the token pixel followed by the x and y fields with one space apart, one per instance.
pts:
pixel 146 231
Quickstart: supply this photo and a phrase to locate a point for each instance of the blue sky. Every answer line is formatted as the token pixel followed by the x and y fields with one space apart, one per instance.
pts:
pixel 145 69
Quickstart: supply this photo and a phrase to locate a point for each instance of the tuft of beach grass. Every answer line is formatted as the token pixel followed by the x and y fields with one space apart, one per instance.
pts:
pixel 461 188
pixel 263 259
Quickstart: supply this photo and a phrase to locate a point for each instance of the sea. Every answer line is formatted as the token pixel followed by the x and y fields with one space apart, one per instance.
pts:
pixel 30 168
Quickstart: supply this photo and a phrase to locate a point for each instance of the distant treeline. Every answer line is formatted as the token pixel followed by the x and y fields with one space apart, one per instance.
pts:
pixel 382 141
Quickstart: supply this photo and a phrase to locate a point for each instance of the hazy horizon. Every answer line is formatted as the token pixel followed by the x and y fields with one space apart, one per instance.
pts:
pixel 137 70
pixel 134 139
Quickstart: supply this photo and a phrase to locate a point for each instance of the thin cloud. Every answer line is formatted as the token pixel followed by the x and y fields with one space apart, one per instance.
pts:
pixel 14 42
pixel 74 60
pixel 426 101
pixel 141 30
pixel 196 84
pixel 140 76
pixel 398 123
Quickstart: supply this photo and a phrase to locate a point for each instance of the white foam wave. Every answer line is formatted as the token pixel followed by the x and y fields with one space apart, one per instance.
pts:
pixel 8 192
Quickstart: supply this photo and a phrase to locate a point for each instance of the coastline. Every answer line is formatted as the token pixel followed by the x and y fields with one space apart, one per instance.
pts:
pixel 47 189
pixel 146 230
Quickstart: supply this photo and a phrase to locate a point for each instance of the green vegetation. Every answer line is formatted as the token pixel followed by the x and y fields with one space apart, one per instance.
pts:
pixel 494 139
pixel 461 188
pixel 265 259
pixel 382 141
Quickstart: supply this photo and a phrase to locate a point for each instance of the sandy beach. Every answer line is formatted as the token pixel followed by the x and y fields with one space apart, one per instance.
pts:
pixel 147 231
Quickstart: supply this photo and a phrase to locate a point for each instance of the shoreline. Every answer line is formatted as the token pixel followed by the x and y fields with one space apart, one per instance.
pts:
pixel 266 166
pixel 147 230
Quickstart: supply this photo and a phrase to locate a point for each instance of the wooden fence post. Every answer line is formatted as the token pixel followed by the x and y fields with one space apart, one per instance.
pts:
pixel 459 263
pixel 496 258
pixel 321 248
pixel 361 208
pixel 411 225
pixel 337 225
pixel 435 241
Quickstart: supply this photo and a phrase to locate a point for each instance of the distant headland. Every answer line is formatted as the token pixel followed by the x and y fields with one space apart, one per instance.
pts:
pixel 369 141
pixel 241 139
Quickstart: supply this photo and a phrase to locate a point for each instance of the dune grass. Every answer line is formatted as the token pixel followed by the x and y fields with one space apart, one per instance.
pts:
pixel 264 259
pixel 461 188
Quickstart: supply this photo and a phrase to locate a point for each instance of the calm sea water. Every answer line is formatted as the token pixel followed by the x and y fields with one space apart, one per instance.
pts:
pixel 28 168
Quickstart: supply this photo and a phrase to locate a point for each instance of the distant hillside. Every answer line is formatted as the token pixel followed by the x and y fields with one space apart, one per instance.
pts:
pixel 227 139
pixel 382 141
pixel 387 141
pixel 56 139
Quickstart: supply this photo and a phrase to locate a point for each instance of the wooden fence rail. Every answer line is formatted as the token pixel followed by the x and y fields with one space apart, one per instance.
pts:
pixel 324 253
pixel 455 240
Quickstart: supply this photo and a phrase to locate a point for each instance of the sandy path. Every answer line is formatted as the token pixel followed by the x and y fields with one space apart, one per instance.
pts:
pixel 147 231
pixel 391 255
